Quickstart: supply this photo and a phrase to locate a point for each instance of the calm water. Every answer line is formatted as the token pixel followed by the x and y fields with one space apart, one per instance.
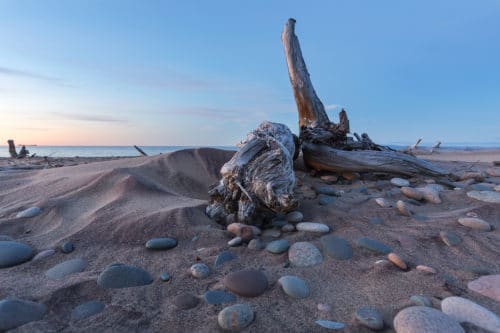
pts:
pixel 98 151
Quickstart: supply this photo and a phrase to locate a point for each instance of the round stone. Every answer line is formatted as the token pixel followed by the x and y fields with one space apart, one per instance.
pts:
pixel 325 200
pixel 329 179
pixel 293 286
pixel 86 310
pixel 224 257
pixel 200 270
pixel 67 247
pixel 369 317
pixel 426 269
pixel 464 310
pixel 123 276
pixel 423 319
pixel 336 247
pixel 420 300
pixel 279 223
pixel 236 241
pixel 218 297
pixel 475 223
pixel 488 286
pixel 397 260
pixel 372 245
pixel 431 193
pixel 331 325
pixel 185 301
pixel 450 238
pixel 164 276
pixel 14 253
pixel 278 246
pixel 486 196
pixel 235 317
pixel 400 182
pixel 303 254
pixel 30 212
pixel 327 190
pixel 403 209
pixel 294 217
pixel 60 271
pixel 44 254
pixel 165 243
pixel 255 244
pixel 312 227
pixel 15 312
pixel 288 228
pixel 246 283
pixel 412 193
pixel 382 202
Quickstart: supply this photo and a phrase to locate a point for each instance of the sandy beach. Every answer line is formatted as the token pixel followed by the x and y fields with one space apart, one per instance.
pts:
pixel 103 211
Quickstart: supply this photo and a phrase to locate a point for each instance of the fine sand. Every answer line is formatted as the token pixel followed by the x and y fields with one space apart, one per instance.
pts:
pixel 109 209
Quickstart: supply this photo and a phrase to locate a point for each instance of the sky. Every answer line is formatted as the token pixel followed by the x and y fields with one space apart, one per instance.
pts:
pixel 119 72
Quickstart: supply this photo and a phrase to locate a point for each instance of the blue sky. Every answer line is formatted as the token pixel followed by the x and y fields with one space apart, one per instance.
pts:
pixel 206 72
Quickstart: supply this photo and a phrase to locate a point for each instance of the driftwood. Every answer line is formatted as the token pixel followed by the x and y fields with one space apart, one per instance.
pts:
pixel 13 153
pixel 259 179
pixel 325 145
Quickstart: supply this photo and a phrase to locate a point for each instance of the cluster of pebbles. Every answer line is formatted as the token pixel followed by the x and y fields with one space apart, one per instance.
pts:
pixel 421 316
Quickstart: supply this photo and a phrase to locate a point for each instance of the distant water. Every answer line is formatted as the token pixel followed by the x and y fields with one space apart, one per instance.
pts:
pixel 100 151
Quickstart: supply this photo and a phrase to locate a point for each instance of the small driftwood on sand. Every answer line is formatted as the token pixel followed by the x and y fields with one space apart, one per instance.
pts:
pixel 13 153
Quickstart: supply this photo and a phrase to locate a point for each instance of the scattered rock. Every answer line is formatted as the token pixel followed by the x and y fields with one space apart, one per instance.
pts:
pixel 478 176
pixel 235 317
pixel 486 196
pixel 474 223
pixel 294 217
pixel 44 254
pixel 293 286
pixel 325 200
pixel 329 179
pixel 14 253
pixel 396 260
pixel 423 319
pixel 488 285
pixel 87 309
pixel 426 269
pixel 119 275
pixel 164 276
pixel 279 223
pixel 372 245
pixel 236 241
pixel 420 300
pixel 482 187
pixel 412 193
pixel 30 212
pixel 336 247
pixel 288 228
pixel 332 325
pixel 237 228
pixel 403 209
pixel 312 227
pixel 67 247
pixel 60 271
pixel 15 312
pixel 327 190
pixel 464 310
pixel 224 257
pixel 218 297
pixel 370 317
pixel 185 301
pixel 302 254
pixel 246 283
pixel 400 182
pixel 255 244
pixel 431 193
pixel 450 238
pixel 382 203
pixel 200 270
pixel 165 243
pixel 348 175
pixel 278 246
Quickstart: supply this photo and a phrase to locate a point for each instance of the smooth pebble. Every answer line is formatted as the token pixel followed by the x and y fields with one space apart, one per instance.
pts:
pixel 185 301
pixel 30 212
pixel 235 317
pixel 119 275
pixel 278 246
pixel 332 325
pixel 86 310
pixel 44 254
pixel 336 247
pixel 60 271
pixel 294 286
pixel 15 312
pixel 400 182
pixel 464 310
pixel 488 285
pixel 294 216
pixel 370 317
pixel 372 245
pixel 14 253
pixel 474 223
pixel 486 196
pixel 67 247
pixel 218 297
pixel 165 243
pixel 246 283
pixel 200 270
pixel 312 227
pixel 397 260
pixel 423 319
pixel 303 254
pixel 450 238
pixel 224 257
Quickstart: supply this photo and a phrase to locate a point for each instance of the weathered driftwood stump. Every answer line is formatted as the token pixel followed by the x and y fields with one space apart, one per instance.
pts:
pixel 12 149
pixel 325 145
pixel 259 180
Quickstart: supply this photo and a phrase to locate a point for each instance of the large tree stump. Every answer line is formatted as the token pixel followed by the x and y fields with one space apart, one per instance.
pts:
pixel 12 149
pixel 325 145
pixel 259 179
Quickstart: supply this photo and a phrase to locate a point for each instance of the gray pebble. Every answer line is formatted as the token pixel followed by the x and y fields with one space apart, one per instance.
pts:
pixel 302 254
pixel 464 310
pixel 400 182
pixel 293 286
pixel 370 317
pixel 123 276
pixel 373 245
pixel 312 227
pixel 236 241
pixel 218 297
pixel 186 301
pixel 67 247
pixel 86 310
pixel 278 246
pixel 475 223
pixel 279 223
pixel 327 190
pixel 30 212
pixel 60 271
pixel 224 257
pixel 336 247
pixel 421 300
pixel 294 216
pixel 165 243
pixel 164 276
pixel 332 325
pixel 15 312
pixel 235 317
pixel 288 228
pixel 423 319
pixel 199 270
pixel 14 253
pixel 450 238
pixel 325 200
pixel 255 244
pixel 486 196
pixel 44 254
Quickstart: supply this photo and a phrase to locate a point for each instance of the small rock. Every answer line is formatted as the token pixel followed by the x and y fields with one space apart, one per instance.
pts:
pixel 486 196
pixel 400 182
pixel 332 325
pixel 323 307
pixel 382 263
pixel 474 223
pixel 279 223
pixel 236 241
pixel 123 276
pixel 423 319
pixel 426 269
pixel 482 187
pixel 255 244
pixel 294 217
pixel 325 200
pixel 478 176
pixel 412 193
pixel 185 301
pixel 246 283
pixel 464 310
pixel 67 247
pixel 450 238
pixel 403 209
pixel 86 310
pixel 288 228
pixel 347 175
pixel 372 245
pixel 420 300
pixel 15 312
pixel 224 257
pixel 336 247
pixel 164 276
pixel 327 190
pixel 278 246
pixel 396 260
pixel 431 193
pixel 60 271
pixel 488 286
pixel 237 228
pixel 14 253
pixel 382 203
pixel 293 286
pixel 199 270
pixel 303 254
pixel 312 227
pixel 218 297
pixel 370 317
pixel 165 243
pixel 329 179
pixel 235 317
pixel 30 212
pixel 44 254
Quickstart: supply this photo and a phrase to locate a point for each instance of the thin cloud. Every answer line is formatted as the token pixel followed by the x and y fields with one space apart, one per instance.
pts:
pixel 84 117
pixel 32 75
pixel 38 129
